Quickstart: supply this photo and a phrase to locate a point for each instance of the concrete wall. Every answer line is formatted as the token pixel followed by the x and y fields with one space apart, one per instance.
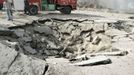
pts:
pixel 19 4
pixel 119 5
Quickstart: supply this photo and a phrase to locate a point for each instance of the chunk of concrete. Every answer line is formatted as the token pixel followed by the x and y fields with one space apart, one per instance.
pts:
pixel 30 50
pixel 115 32
pixel 14 63
pixel 98 27
pixel 85 26
pixel 19 32
pixel 96 40
pixel 7 57
pixel 44 29
pixel 98 60
pixel 27 66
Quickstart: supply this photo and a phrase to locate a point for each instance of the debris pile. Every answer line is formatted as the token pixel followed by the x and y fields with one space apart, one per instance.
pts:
pixel 86 36
pixel 37 40
pixel 83 42
pixel 68 38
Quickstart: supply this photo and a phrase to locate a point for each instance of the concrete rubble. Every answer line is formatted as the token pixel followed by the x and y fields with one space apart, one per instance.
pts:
pixel 83 42
pixel 94 61
pixel 60 37
pixel 14 63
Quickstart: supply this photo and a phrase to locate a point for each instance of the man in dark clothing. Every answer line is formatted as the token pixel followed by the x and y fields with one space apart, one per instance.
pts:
pixel 26 8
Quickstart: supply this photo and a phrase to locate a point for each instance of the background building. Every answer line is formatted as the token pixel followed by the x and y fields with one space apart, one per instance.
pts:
pixel 118 5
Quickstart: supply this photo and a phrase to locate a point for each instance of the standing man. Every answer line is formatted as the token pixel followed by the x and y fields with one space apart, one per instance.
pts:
pixel 8 7
pixel 26 7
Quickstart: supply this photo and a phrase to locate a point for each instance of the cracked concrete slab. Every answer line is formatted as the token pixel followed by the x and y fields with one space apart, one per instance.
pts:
pixel 14 63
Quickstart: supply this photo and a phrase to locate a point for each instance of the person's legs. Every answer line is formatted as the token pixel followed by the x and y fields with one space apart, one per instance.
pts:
pixel 9 15
pixel 25 11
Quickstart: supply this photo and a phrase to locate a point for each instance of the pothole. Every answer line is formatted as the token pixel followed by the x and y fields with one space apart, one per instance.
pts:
pixel 63 38
pixel 83 41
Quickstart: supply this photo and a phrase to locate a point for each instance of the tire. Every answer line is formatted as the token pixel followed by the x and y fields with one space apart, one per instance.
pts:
pixel 1 6
pixel 33 10
pixel 66 10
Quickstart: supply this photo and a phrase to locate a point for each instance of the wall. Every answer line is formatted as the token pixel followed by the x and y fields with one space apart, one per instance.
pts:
pixel 119 5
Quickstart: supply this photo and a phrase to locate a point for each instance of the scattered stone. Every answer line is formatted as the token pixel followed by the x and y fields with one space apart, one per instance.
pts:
pixel 81 37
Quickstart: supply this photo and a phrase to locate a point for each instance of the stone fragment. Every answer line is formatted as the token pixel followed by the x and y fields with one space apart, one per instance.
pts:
pixel 115 32
pixel 105 43
pixel 98 60
pixel 86 26
pixel 19 32
pixel 30 50
pixel 44 29
pixel 96 40
pixel 98 27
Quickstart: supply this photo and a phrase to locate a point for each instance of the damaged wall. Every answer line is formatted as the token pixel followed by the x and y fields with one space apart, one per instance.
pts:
pixel 118 5
pixel 87 3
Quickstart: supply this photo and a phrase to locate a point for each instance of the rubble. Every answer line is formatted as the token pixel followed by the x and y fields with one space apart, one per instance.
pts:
pixel 94 61
pixel 60 38
pixel 14 63
pixel 83 42
pixel 43 29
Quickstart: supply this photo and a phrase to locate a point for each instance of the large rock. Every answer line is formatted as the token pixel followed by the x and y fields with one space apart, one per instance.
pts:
pixel 44 29
pixel 7 56
pixel 67 27
pixel 14 63
pixel 19 32
pixel 86 26
pixel 98 27
pixel 27 66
